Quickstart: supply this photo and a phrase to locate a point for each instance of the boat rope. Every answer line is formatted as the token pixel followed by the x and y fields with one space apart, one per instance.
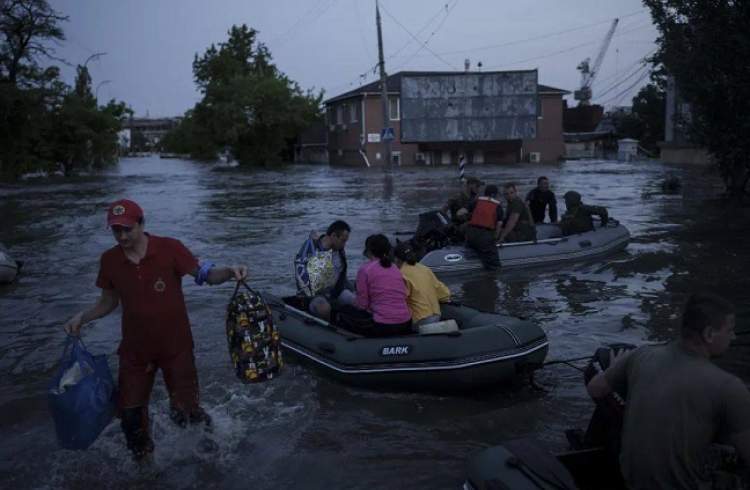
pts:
pixel 568 362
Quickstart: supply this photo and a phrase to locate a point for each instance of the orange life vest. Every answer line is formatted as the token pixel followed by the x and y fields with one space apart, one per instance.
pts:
pixel 485 213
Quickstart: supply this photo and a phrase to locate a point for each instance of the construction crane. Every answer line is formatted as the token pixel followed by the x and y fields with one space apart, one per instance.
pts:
pixel 589 72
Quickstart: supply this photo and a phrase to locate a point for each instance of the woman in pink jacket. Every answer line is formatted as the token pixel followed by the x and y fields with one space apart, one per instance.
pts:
pixel 381 290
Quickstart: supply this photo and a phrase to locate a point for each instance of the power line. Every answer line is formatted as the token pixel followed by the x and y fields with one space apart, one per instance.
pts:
pixel 424 44
pixel 419 32
pixel 361 31
pixel 628 77
pixel 616 99
pixel 537 38
pixel 640 60
pixel 566 50
pixel 289 33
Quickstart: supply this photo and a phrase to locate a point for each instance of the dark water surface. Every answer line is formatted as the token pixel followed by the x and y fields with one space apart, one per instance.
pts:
pixel 302 430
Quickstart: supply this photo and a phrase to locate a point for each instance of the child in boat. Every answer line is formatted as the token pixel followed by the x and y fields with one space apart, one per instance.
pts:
pixel 381 290
pixel 425 292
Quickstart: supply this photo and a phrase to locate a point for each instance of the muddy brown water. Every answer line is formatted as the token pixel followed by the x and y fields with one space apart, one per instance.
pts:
pixel 302 430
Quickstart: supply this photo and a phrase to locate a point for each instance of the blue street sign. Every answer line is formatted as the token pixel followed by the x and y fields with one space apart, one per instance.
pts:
pixel 387 134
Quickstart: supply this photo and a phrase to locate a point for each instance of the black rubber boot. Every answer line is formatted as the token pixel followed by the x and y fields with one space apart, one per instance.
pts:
pixel 133 425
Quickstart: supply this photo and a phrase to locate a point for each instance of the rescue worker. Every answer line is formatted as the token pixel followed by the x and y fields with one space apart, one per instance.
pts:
pixel 577 217
pixel 519 225
pixel 459 206
pixel 144 273
pixel 484 227
pixel 320 270
pixel 678 401
pixel 539 199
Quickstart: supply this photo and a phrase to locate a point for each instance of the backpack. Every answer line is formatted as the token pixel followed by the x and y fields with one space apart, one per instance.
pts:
pixel 254 344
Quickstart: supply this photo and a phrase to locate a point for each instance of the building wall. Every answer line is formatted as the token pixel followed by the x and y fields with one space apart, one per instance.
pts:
pixel 549 138
pixel 344 134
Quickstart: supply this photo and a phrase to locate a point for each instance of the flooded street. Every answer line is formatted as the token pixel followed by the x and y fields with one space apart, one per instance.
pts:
pixel 302 430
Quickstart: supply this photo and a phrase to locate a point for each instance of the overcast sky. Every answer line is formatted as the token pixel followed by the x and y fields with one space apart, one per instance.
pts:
pixel 332 44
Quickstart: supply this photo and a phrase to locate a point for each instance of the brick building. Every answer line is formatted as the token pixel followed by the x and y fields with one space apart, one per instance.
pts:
pixel 354 121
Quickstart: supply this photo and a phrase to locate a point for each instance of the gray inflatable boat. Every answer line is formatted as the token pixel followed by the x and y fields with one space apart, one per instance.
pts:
pixel 8 267
pixel 549 248
pixel 486 349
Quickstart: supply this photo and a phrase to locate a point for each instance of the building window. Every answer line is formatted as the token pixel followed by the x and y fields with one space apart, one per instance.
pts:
pixel 540 109
pixel 340 114
pixel 394 107
pixel 396 157
pixel 353 112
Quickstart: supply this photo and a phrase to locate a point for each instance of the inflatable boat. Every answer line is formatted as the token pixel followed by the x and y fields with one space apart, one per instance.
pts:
pixel 524 464
pixel 8 267
pixel 549 248
pixel 484 349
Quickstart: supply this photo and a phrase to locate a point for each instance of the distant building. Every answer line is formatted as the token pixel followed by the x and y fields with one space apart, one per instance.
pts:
pixel 152 130
pixel 676 147
pixel 354 121
pixel 312 144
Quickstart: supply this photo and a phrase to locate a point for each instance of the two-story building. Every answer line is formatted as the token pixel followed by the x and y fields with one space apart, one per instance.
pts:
pixel 354 121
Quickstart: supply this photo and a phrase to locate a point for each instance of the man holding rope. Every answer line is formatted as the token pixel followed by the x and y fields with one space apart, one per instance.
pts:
pixel 678 401
pixel 144 272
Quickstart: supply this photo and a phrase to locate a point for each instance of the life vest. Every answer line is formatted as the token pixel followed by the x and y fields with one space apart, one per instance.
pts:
pixel 485 213
pixel 254 344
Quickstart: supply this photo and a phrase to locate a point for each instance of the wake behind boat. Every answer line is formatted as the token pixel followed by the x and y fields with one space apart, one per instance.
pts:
pixel 487 348
pixel 551 247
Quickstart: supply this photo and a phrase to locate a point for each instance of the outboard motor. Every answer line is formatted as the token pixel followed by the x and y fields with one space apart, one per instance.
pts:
pixel 433 232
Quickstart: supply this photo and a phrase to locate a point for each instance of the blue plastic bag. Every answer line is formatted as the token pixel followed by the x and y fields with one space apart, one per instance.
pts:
pixel 81 396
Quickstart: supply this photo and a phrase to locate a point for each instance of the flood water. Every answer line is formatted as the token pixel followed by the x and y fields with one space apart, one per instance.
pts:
pixel 302 430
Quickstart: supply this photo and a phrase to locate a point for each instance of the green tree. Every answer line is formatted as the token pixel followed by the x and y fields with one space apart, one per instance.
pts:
pixel 86 134
pixel 249 107
pixel 28 29
pixel 646 120
pixel 705 46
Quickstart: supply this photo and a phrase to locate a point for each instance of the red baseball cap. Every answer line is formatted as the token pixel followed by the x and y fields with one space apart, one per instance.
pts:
pixel 124 213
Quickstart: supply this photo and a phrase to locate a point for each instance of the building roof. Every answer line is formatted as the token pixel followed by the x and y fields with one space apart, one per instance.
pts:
pixel 393 83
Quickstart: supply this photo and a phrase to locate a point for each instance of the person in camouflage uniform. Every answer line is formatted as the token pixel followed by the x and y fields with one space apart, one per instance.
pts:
pixel 519 224
pixel 577 217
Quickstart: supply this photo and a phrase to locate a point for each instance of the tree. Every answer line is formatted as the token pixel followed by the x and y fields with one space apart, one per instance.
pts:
pixel 43 122
pixel 86 134
pixel 27 28
pixel 646 120
pixel 249 107
pixel 705 46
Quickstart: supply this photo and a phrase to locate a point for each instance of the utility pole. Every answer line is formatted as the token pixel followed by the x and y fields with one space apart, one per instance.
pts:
pixel 384 134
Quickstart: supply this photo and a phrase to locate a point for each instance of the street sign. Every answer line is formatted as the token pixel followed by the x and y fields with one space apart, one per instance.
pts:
pixel 387 134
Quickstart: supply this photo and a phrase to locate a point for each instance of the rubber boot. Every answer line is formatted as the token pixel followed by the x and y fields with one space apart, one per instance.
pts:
pixel 133 423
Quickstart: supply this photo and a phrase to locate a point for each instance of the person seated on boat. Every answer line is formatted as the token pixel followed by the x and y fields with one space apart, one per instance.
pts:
pixel 320 270
pixel 459 205
pixel 484 227
pixel 519 224
pixel 678 401
pixel 539 199
pixel 424 291
pixel 577 217
pixel 381 290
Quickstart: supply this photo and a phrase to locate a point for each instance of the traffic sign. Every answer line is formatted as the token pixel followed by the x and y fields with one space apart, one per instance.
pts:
pixel 387 134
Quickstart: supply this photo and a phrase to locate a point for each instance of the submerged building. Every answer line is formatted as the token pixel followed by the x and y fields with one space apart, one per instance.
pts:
pixel 488 117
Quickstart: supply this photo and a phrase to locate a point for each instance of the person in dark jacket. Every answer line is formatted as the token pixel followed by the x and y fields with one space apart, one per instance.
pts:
pixel 577 217
pixel 539 199
pixel 484 227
